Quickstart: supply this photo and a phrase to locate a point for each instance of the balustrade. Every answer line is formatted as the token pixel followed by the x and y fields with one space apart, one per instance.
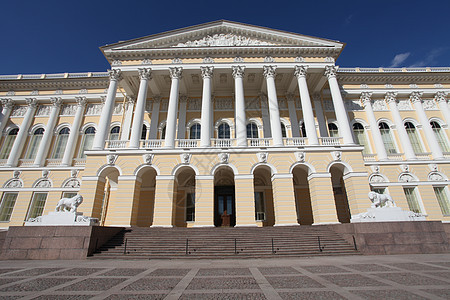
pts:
pixel 299 141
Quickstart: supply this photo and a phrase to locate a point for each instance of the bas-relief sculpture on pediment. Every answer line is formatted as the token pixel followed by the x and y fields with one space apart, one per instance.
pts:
pixel 222 39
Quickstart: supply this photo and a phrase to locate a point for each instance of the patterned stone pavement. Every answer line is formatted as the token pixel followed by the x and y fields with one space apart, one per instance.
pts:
pixel 338 277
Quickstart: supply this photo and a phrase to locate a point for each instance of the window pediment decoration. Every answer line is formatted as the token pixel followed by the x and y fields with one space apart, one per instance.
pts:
pixel 406 177
pixel 43 183
pixel 71 183
pixel 376 178
pixel 13 183
pixel 224 40
pixel 436 176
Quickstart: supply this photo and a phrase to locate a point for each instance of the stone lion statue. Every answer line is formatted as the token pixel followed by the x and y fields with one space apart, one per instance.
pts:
pixel 380 200
pixel 69 204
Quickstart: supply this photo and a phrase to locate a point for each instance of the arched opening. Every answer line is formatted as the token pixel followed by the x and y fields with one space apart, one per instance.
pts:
pixel 283 130
pixel 8 143
pixel 252 131
pixel 333 130
pixel 264 209
pixel 223 131
pixel 106 190
pixel 144 132
pixel 114 133
pixel 340 194
pixel 184 197
pixel 440 136
pixel 88 140
pixel 61 142
pixel 360 136
pixel 302 195
pixel 224 197
pixel 146 204
pixel 302 129
pixel 413 137
pixel 34 143
pixel 195 132
pixel 388 141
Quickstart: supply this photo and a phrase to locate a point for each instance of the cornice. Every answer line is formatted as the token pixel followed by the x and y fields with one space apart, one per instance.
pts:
pixel 407 78
pixel 21 83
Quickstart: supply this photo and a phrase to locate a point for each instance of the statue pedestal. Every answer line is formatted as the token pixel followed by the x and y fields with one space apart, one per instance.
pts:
pixel 387 214
pixel 59 218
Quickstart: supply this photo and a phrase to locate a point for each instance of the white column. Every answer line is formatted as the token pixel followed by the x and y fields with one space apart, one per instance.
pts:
pixel 341 113
pixel 241 126
pixel 274 113
pixel 391 99
pixel 323 130
pixel 126 126
pixel 7 104
pixel 181 131
pixel 74 132
pixel 416 99
pixel 153 134
pixel 265 116
pixel 376 135
pixel 17 147
pixel 440 98
pixel 108 107
pixel 136 129
pixel 205 133
pixel 295 128
pixel 41 155
pixel 171 126
pixel 308 114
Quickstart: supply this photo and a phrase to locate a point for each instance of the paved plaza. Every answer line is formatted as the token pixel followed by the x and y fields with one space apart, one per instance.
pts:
pixel 331 277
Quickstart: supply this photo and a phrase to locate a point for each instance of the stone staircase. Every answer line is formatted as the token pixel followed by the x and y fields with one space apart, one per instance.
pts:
pixel 161 243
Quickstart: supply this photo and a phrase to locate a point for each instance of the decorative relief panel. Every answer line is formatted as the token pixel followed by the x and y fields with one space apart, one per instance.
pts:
pixel 252 103
pixel 68 109
pixel 194 104
pixel 328 105
pixel 429 104
pixel 43 110
pixel 379 105
pixel 13 183
pixel 404 105
pixel 118 108
pixel 72 183
pixel 93 109
pixel 223 40
pixel 223 103
pixel 376 178
pixel 43 183
pixel 18 111
pixel 353 105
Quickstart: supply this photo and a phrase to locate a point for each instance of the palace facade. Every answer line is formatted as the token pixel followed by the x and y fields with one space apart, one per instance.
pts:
pixel 224 118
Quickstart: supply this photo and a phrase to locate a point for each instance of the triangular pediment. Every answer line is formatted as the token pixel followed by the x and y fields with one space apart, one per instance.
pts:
pixel 219 34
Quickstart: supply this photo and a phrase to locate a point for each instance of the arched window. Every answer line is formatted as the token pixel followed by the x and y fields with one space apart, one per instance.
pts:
pixel 360 136
pixel 34 143
pixel 88 140
pixel 114 133
pixel 163 132
pixel 252 131
pixel 440 136
pixel 224 131
pixel 144 132
pixel 8 143
pixel 333 130
pixel 194 131
pixel 61 143
pixel 387 138
pixel 413 137
pixel 283 130
pixel 302 129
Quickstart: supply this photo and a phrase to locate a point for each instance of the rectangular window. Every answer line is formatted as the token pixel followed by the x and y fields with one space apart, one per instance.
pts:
pixel 7 206
pixel 260 208
pixel 413 201
pixel 442 197
pixel 190 207
pixel 37 205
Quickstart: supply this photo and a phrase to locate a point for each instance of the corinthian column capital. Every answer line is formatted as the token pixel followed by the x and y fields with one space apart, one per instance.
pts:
pixel 145 73
pixel 366 97
pixel 81 101
pixel 7 102
pixel 115 75
pixel 269 71
pixel 56 101
pixel 207 72
pixel 300 71
pixel 416 97
pixel 391 97
pixel 175 72
pixel 238 71
pixel 330 71
pixel 31 102
pixel 440 96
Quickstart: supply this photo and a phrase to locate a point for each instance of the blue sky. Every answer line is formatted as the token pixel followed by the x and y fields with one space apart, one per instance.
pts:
pixel 64 36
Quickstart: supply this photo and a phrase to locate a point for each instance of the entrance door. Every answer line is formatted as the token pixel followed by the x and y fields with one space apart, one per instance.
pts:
pixel 224 201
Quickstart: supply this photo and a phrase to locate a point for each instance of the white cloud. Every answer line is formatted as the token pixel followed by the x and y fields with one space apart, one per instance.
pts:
pixel 398 59
pixel 430 58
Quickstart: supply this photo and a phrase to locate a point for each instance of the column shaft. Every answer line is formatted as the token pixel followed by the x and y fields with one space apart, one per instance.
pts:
pixel 126 126
pixel 153 134
pixel 341 113
pixel 181 131
pixel 274 112
pixel 323 130
pixel 241 126
pixel 308 114
pixel 436 150
pixel 74 132
pixel 136 128
pixel 105 117
pixel 171 126
pixel 41 155
pixel 376 135
pixel 205 134
pixel 440 98
pixel 295 128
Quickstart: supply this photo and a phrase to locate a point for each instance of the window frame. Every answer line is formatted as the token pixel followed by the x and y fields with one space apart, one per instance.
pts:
pixel 2 206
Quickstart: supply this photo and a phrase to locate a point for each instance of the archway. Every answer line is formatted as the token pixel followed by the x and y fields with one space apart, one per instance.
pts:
pixel 146 205
pixel 184 197
pixel 264 209
pixel 106 191
pixel 302 195
pixel 340 194
pixel 224 197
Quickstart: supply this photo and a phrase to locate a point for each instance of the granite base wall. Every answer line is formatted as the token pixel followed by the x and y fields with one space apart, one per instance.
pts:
pixel 55 242
pixel 397 237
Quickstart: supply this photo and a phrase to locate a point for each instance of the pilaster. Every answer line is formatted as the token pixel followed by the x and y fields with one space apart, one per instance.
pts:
pixel 284 200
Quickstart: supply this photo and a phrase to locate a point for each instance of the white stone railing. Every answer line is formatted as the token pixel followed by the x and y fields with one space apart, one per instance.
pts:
pixel 187 143
pixel 26 162
pixel 395 156
pixel 79 162
pixel 330 141
pixel 150 144
pixel 297 141
pixel 424 156
pixel 223 143
pixel 263 142
pixel 370 157
pixel 116 144
pixel 54 161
